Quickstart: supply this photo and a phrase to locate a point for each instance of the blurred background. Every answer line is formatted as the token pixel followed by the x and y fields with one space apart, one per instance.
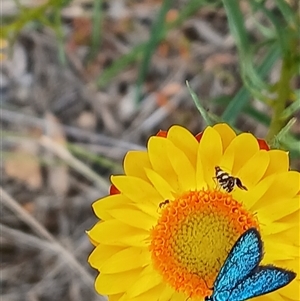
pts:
pixel 83 82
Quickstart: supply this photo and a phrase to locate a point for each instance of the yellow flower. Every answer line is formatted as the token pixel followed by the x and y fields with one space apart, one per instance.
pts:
pixel 168 225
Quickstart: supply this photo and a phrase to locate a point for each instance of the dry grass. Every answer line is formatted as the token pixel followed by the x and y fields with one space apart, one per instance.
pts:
pixel 62 136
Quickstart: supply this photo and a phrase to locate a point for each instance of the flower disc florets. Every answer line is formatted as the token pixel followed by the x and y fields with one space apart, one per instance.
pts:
pixel 193 237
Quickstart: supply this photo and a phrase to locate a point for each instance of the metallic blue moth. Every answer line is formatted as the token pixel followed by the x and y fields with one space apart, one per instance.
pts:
pixel 241 277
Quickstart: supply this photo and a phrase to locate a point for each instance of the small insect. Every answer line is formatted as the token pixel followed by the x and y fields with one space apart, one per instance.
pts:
pixel 226 181
pixel 164 203
pixel 241 277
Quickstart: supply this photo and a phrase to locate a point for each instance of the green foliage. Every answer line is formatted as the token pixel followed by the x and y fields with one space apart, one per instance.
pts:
pixel 140 52
pixel 207 117
pixel 151 45
pixel 48 14
pixel 97 29
pixel 277 27
pixel 41 15
pixel 281 40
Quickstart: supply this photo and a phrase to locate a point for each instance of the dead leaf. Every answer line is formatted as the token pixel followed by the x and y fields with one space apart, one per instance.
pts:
pixel 171 89
pixel 58 173
pixel 172 15
pixel 54 130
pixel 163 96
pixel 30 207
pixel 87 120
pixel 219 59
pixel 24 165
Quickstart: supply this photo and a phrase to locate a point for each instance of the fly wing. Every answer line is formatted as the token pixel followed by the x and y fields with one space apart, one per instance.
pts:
pixel 265 280
pixel 243 258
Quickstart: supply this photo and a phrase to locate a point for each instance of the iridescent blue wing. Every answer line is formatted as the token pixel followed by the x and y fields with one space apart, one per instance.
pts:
pixel 243 258
pixel 265 280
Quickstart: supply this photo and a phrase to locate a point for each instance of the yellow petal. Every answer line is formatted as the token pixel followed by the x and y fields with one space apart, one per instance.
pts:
pixel 157 151
pixel 280 249
pixel 227 134
pixel 115 233
pixel 160 184
pixel 115 297
pixel 137 189
pixel 200 180
pixel 275 227
pixel 292 265
pixel 185 141
pixel 149 294
pixel 178 297
pixel 182 167
pixel 291 218
pixel 239 151
pixel 101 253
pixel 253 170
pixel 134 217
pixel 92 241
pixel 209 152
pixel 126 259
pixel 284 185
pixel 166 293
pixel 103 283
pixel 257 192
pixel 148 280
pixel 102 206
pixel 135 163
pixel 292 235
pixel 274 211
pixel 274 296
pixel 272 256
pixel 148 208
pixel 291 290
pixel 279 162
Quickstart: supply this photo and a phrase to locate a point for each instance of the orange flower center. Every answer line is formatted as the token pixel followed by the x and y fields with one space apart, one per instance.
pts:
pixel 193 237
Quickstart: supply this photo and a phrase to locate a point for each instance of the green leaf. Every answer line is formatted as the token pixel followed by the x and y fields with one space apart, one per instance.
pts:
pixel 96 29
pixel 258 116
pixel 155 37
pixel 60 36
pixel 242 97
pixel 120 64
pixel 251 77
pixel 291 144
pixel 282 32
pixel 290 110
pixel 135 54
pixel 236 24
pixel 287 12
pixel 209 120
pixel 285 130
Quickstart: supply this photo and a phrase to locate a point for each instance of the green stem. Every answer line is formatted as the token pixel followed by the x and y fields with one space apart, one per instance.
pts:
pixel 96 30
pixel 277 122
pixel 60 36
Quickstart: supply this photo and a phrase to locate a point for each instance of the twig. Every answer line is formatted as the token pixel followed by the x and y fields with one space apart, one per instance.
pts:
pixel 150 122
pixel 23 215
pixel 28 240
pixel 68 257
pixel 18 118
pixel 65 155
